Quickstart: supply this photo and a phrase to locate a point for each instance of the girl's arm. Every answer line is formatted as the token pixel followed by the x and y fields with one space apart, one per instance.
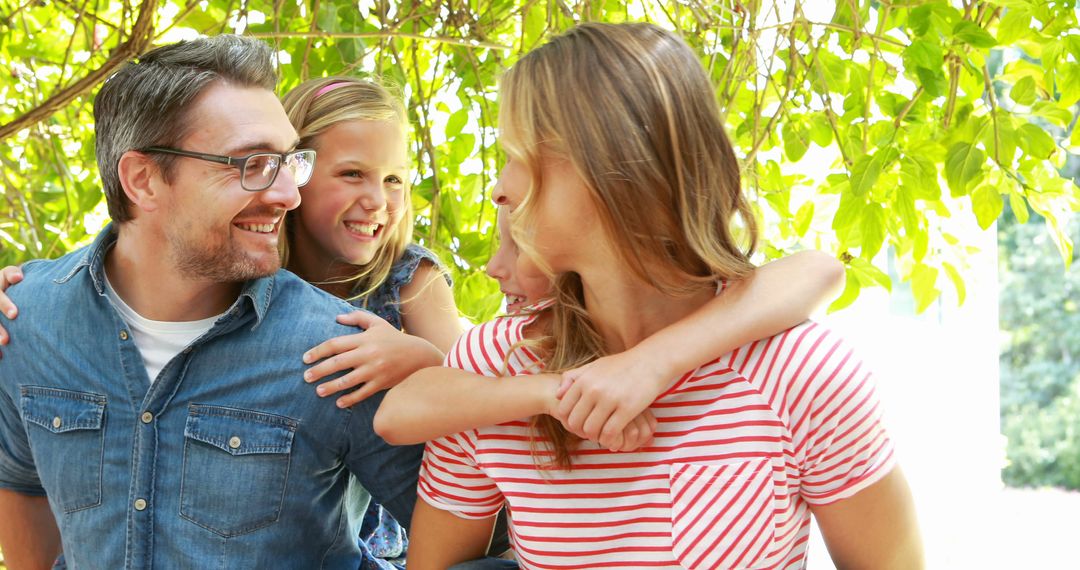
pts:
pixel 599 399
pixel 9 276
pixel 438 401
pixel 439 539
pixel 382 356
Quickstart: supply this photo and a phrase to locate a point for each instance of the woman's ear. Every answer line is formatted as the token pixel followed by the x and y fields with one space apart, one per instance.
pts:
pixel 142 179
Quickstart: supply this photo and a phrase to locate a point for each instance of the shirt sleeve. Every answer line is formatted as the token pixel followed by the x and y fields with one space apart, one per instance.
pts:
pixel 17 470
pixel 450 478
pixel 835 418
pixel 388 472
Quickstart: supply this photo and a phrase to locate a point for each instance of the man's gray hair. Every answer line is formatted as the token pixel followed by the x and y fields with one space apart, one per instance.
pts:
pixel 148 101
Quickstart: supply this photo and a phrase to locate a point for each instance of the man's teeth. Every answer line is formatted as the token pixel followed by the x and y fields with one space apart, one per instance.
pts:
pixel 364 229
pixel 257 228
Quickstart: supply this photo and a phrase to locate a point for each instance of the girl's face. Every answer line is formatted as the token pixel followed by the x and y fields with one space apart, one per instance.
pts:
pixel 519 279
pixel 356 196
pixel 564 224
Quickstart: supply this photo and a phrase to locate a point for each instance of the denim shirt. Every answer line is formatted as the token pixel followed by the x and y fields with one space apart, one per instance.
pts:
pixel 228 460
pixel 385 301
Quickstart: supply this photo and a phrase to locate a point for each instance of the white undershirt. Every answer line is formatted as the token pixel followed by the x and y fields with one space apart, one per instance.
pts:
pixel 158 341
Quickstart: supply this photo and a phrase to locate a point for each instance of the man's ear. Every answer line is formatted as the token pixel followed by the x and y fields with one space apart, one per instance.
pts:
pixel 142 179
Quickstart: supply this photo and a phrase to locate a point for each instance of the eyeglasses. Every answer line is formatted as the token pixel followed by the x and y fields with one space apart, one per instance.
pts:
pixel 258 170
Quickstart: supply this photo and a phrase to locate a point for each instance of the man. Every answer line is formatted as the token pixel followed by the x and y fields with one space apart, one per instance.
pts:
pixel 152 413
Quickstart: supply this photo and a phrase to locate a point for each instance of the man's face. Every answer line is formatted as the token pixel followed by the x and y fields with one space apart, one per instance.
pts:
pixel 216 230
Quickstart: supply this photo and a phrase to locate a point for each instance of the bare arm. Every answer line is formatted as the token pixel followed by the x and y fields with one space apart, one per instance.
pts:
pixel 603 396
pixel 439 539
pixel 438 401
pixel 9 276
pixel 28 534
pixel 428 310
pixel 875 528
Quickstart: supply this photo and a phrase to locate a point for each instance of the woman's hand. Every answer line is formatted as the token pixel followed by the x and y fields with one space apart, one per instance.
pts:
pixel 380 357
pixel 9 276
pixel 604 400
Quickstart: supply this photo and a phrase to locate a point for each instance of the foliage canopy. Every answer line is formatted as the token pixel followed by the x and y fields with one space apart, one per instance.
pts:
pixel 862 125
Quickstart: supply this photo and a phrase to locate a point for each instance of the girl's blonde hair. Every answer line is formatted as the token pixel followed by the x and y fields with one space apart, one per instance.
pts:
pixel 318 104
pixel 631 108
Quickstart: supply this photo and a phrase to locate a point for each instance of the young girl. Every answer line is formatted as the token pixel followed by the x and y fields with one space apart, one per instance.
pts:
pixel 623 184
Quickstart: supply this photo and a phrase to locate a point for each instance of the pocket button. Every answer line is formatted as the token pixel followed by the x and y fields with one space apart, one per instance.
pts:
pixel 234 442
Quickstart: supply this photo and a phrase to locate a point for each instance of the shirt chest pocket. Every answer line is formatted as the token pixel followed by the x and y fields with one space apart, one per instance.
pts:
pixel 236 465
pixel 66 432
pixel 722 516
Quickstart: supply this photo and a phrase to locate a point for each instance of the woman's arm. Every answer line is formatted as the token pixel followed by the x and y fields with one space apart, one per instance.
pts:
pixel 599 399
pixel 875 528
pixel 439 539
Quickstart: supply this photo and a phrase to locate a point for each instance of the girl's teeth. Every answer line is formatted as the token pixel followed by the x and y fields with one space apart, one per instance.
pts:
pixel 365 229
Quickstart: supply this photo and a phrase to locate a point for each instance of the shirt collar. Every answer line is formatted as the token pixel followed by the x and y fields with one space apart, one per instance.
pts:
pixel 257 291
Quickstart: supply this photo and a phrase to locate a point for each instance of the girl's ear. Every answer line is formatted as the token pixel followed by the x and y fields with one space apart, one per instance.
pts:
pixel 142 179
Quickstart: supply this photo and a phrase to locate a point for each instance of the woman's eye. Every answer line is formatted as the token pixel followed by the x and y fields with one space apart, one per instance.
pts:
pixel 352 174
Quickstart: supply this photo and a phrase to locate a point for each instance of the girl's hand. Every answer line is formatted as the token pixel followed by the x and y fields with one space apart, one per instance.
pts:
pixel 9 276
pixel 380 357
pixel 599 401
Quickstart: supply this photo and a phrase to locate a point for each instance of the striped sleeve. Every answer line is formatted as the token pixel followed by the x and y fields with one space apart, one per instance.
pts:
pixel 451 481
pixel 839 440
pixel 449 476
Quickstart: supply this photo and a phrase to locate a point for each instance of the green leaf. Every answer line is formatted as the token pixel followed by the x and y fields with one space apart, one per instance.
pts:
pixel 869 274
pixel 987 203
pixel 970 33
pixel 1061 240
pixel 850 293
pixel 904 202
pixel 803 217
pixel 957 281
pixel 1019 208
pixel 932 80
pixel 867 170
pixel 1035 141
pixel 963 167
pixel 456 122
pixel 1015 24
pixel 1052 113
pixel 924 53
pixel 851 206
pixel 795 144
pixel 924 286
pixel 872 225
pixel 820 130
pixel 1024 91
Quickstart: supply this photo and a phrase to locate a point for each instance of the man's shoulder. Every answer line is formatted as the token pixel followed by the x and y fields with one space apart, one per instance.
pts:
pixel 305 306
pixel 40 275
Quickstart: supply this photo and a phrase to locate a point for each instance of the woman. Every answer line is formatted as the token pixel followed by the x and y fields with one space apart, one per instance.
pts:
pixel 623 185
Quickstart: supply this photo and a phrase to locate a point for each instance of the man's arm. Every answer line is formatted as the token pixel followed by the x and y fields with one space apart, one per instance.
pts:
pixel 875 528
pixel 28 534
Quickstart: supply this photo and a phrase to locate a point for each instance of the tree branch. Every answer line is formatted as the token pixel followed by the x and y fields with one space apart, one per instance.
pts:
pixel 350 35
pixel 141 34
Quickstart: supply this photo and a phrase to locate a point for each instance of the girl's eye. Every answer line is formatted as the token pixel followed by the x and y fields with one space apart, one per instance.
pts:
pixel 393 180
pixel 352 174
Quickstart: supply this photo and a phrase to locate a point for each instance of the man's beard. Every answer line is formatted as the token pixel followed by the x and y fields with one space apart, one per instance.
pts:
pixel 218 260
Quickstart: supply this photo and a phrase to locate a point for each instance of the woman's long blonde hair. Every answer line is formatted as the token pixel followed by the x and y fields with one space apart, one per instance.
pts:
pixel 632 109
pixel 318 104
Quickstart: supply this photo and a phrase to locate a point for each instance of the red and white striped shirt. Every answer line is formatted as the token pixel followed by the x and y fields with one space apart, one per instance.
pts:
pixel 745 444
